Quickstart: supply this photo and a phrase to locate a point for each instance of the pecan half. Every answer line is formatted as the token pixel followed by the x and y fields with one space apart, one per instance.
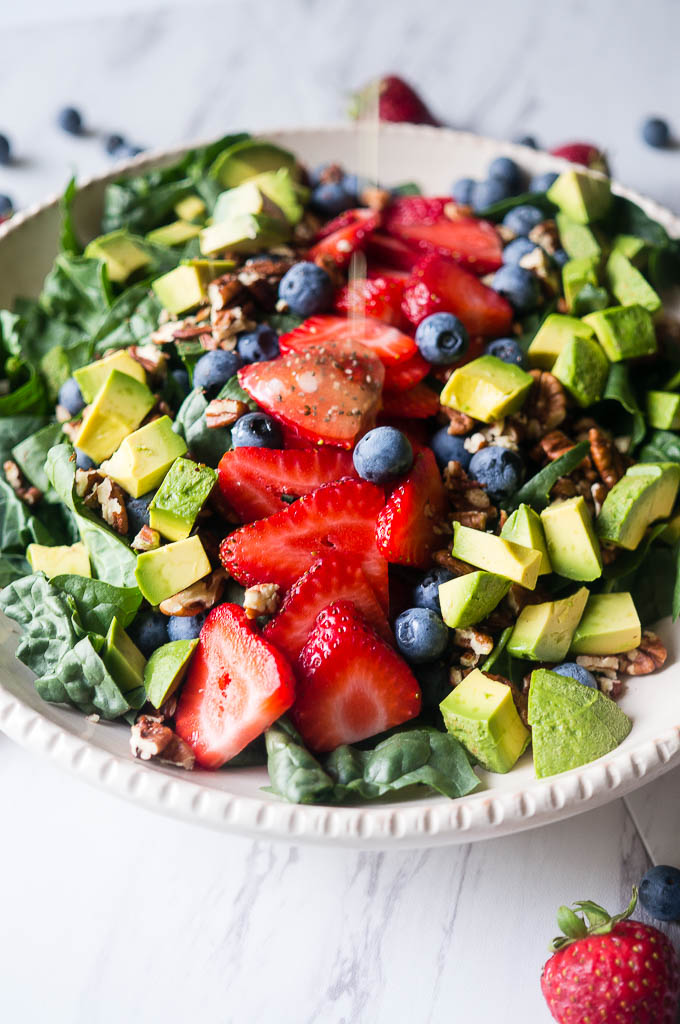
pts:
pixel 261 599
pixel 650 655
pixel 470 503
pixel 227 323
pixel 606 457
pixel 546 236
pixel 223 412
pixel 111 498
pixel 147 539
pixel 472 645
pixel 26 492
pixel 150 739
pixel 552 446
pixel 546 404
pixel 197 598
pixel 459 422
pixel 153 359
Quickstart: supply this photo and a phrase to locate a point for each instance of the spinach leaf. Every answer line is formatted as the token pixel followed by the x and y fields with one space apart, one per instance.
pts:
pixel 664 266
pixel 18 527
pixel 31 454
pixel 497 211
pixel 12 567
pixel 618 389
pixel 77 290
pixel 661 446
pixel 14 429
pixel 295 774
pixel 208 444
pixel 618 575
pixel 68 240
pixel 652 586
pixel 129 320
pixel 232 389
pixel 82 679
pixel 407 188
pixel 282 323
pixel 10 333
pixel 536 491
pixel 98 602
pixel 626 218
pixel 28 398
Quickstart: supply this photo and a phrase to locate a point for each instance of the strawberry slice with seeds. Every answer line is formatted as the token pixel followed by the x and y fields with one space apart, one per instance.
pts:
pixel 376 297
pixel 237 685
pixel 389 344
pixel 438 284
pixel 422 223
pixel 337 517
pixel 391 252
pixel 257 481
pixel 418 403
pixel 334 575
pixel 351 684
pixel 343 236
pixel 405 531
pixel 327 394
pixel 410 211
pixel 406 374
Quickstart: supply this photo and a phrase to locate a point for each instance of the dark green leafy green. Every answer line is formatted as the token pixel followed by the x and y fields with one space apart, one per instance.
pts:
pixel 295 774
pixel 81 678
pixel 77 290
pixel 98 602
pixel 536 491
pixel 31 454
pixel 589 299
pixel 14 429
pixel 407 188
pixel 207 443
pixel 497 211
pixel 661 446
pixel 627 218
pixel 128 321
pixel 618 389
pixel 68 239
pixel 282 323
pixel 619 575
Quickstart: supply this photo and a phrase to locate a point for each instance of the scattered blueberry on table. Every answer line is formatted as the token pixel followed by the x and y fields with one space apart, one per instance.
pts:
pixel 656 132
pixel 70 120
pixel 5 150
pixel 660 892
pixel 114 143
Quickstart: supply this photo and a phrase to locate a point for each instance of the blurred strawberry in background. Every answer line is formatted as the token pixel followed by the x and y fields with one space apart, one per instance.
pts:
pixel 397 101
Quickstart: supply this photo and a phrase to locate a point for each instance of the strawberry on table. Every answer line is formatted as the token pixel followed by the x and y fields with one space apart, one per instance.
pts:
pixel 406 526
pixel 397 101
pixel 236 687
pixel 389 344
pixel 346 234
pixel 438 284
pixel 351 684
pixel 583 153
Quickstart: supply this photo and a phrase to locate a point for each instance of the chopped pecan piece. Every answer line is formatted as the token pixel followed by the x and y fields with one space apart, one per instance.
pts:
pixel 61 414
pixel 261 599
pixel 552 446
pixel 223 291
pixel 472 644
pixel 606 457
pixel 26 492
pixel 455 565
pixel 650 655
pixel 227 323
pixel 150 357
pixel 197 598
pixel 150 739
pixel 147 539
pixel 72 429
pixel 546 236
pixel 459 422
pixel 222 412
pixel 86 483
pixel 469 501
pixel 111 498
pixel 546 404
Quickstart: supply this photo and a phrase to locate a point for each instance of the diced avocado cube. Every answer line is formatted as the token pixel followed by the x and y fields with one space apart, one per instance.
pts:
pixel 628 285
pixel 481 714
pixel 583 368
pixel 551 337
pixel 578 240
pixel 571 724
pixel 181 289
pixel 671 534
pixel 524 527
pixel 487 389
pixel 283 190
pixel 122 253
pixel 123 658
pixel 468 599
pixel 180 498
pixel 645 493
pixel 119 407
pixel 248 158
pixel 243 200
pixel 572 545
pixel 582 195
pixel 576 275
pixel 663 410
pixel 633 248
pixel 610 625
pixel 190 208
pixel 663 494
pixel 166 669
pixel 210 269
pixel 91 377
pixel 177 233
pixel 244 234
pixel 145 456
pixel 503 557
pixel 173 567
pixel 624 332
pixel 59 560
pixel 543 632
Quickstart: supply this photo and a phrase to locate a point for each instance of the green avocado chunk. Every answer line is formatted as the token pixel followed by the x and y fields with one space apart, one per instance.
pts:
pixel 645 493
pixel 59 559
pixel 119 407
pixel 283 190
pixel 145 456
pixel 571 724
pixel 177 502
pixel 122 253
pixel 246 159
pixel 481 714
pixel 578 240
pixel 468 599
pixel 624 331
pixel 582 195
pixel 610 625
pixel 628 285
pixel 177 233
pixel 663 410
pixel 91 377
pixel 181 289
pixel 166 669
pixel 583 368
pixel 524 527
pixel 190 208
pixel 633 248
pixel 572 545
pixel 246 233
pixel 243 200
pixel 172 567
pixel 551 337
pixel 543 632
pixel 577 275
pixel 487 388
pixel 485 551
pixel 123 658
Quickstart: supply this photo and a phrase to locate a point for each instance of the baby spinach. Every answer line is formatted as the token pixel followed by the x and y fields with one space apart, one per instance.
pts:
pixel 82 679
pixel 536 491
pixel 627 218
pixel 31 454
pixel 77 290
pixel 295 774
pixel 661 446
pixel 128 321
pixel 207 443
pixel 68 240
pixel 497 211
pixel 98 602
pixel 14 429
pixel 618 389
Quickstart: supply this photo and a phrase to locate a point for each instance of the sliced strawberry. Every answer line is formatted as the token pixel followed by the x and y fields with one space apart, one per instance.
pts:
pixel 351 684
pixel 326 393
pixel 417 431
pixel 438 284
pixel 334 576
pixel 391 273
pixel 389 344
pixel 376 297
pixel 408 211
pixel 236 687
pixel 406 526
pixel 391 252
pixel 418 403
pixel 254 480
pixel 339 516
pixel 406 374
pixel 474 244
pixel 344 235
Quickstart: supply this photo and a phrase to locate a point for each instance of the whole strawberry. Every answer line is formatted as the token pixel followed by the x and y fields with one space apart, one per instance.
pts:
pixel 610 969
pixel 396 101
pixel 583 153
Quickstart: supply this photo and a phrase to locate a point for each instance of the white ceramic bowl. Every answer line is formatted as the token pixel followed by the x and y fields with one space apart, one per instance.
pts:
pixel 232 800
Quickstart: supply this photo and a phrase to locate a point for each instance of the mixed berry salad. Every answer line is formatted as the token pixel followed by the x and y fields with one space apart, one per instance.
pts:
pixel 354 482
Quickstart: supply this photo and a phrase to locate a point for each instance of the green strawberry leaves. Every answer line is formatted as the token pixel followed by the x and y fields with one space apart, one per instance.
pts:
pixel 595 921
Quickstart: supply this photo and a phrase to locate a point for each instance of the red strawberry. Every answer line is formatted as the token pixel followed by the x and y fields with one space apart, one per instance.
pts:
pixel 405 529
pixel 396 99
pixel 392 252
pixel 389 344
pixel 439 284
pixel 389 272
pixel 339 516
pixel 254 480
pixel 326 393
pixel 422 223
pixel 406 374
pixel 351 684
pixel 377 297
pixel 236 687
pixel 418 403
pixel 343 236
pixel 409 211
pixel 417 431
pixel 611 969
pixel 334 576
pixel 583 153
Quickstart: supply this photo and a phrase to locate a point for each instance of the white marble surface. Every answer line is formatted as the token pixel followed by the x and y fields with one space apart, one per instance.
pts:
pixel 109 913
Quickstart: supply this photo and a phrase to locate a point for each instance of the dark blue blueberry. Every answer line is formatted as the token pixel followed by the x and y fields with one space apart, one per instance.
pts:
pixel 542 182
pixel 523 218
pixel 83 461
pixel 442 339
pixel 353 185
pixel 577 672
pixel 181 378
pixel 70 397
pixel 499 469
pixel 113 144
pixel 256 430
pixel 526 140
pixel 6 206
pixel 426 593
pixel 5 150
pixel 214 369
pixel 517 249
pixel 560 257
pixel 331 198
pixel 138 512
pixel 518 286
pixel 508 350
pixel 449 447
pixel 70 120
pixel 307 289
pixel 421 635
pixel 506 170
pixel 461 190
pixel 149 631
pixel 656 133
pixel 185 627
pixel 487 193
pixel 259 345
pixel 660 892
pixel 383 454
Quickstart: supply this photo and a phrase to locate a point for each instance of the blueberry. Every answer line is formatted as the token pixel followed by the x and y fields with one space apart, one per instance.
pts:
pixel 6 206
pixel 656 133
pixel 330 198
pixel 442 339
pixel 518 286
pixel 185 627
pixel 560 257
pixel 499 469
pixel 461 190
pixel 487 193
pixel 577 672
pixel 383 454
pixel 149 631
pixel 214 369
pixel 448 447
pixel 542 182
pixel 83 461
pixel 508 350
pixel 526 140
pixel 421 635
pixel 426 592
pixel 506 170
pixel 70 120
pixel 307 289
pixel 256 430
pixel 5 150
pixel 114 144
pixel 259 345
pixel 138 512
pixel 517 249
pixel 181 378
pixel 660 892
pixel 321 173
pixel 353 186
pixel 523 218
pixel 70 397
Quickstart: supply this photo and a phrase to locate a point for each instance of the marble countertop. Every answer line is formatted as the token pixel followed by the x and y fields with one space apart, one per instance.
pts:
pixel 112 913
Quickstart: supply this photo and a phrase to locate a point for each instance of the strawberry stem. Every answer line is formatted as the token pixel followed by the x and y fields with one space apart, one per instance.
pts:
pixel 595 920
